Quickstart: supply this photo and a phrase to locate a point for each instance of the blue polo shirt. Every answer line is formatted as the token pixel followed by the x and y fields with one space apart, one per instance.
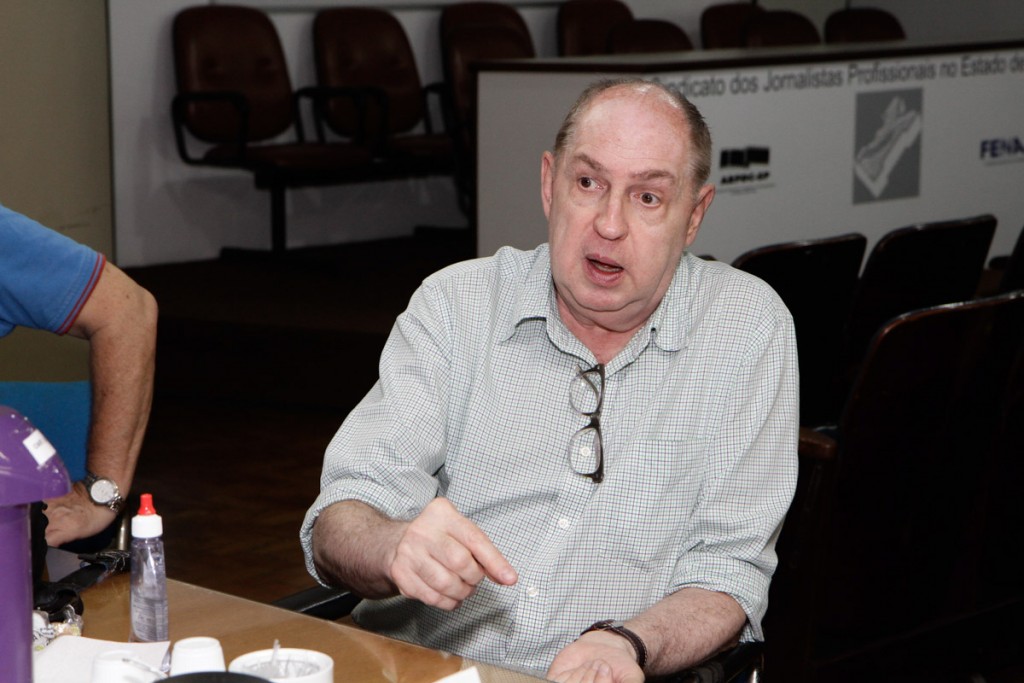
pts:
pixel 45 277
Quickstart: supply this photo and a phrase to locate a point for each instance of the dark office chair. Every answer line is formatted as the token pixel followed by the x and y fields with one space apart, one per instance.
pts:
pixel 235 95
pixel 582 26
pixel 816 280
pixel 362 48
pixel 916 267
pixel 914 456
pixel 999 578
pixel 647 35
pixel 862 25
pixel 721 25
pixel 472 32
pixel 779 28
pixel 739 664
pixel 796 586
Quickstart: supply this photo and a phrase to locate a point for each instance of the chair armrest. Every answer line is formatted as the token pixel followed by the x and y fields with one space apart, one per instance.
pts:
pixel 817 445
pixel 318 601
pixel 321 95
pixel 178 114
pixel 740 663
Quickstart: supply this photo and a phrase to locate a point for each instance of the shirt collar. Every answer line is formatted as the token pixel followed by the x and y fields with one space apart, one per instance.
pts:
pixel 535 296
pixel 536 301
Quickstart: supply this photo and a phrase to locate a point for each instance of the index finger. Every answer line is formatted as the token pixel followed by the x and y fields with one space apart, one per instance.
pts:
pixel 494 564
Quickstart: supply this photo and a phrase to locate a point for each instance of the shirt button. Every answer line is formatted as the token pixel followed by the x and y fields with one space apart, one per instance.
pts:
pixel 563 523
pixel 586 451
pixel 533 591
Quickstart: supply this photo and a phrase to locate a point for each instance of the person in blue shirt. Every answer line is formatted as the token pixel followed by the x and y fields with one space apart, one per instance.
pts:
pixel 50 282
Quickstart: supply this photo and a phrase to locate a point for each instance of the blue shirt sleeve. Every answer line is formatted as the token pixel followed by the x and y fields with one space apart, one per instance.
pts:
pixel 45 277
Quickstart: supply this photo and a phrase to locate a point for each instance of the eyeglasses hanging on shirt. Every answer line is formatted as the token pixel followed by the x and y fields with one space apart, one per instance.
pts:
pixel 586 394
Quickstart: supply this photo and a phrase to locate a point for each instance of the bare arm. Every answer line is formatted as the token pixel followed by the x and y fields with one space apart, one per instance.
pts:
pixel 680 630
pixel 119 321
pixel 438 558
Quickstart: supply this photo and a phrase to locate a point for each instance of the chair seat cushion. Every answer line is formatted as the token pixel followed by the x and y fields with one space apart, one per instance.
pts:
pixel 299 157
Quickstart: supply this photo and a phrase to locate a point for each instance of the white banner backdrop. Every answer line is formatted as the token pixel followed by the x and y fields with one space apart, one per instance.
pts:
pixel 801 150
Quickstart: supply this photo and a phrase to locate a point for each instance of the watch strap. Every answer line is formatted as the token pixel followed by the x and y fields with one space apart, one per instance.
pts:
pixel 619 628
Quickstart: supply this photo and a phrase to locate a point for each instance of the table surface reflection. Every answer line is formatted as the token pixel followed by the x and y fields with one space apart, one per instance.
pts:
pixel 244 625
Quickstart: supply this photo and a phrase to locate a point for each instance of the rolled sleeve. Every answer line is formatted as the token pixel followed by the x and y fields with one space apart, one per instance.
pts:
pixel 387 452
pixel 750 482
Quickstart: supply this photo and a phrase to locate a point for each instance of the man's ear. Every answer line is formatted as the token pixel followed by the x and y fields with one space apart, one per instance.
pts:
pixel 547 179
pixel 700 208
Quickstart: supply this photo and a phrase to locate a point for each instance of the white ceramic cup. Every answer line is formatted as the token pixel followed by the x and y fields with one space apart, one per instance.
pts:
pixel 111 667
pixel 295 665
pixel 201 653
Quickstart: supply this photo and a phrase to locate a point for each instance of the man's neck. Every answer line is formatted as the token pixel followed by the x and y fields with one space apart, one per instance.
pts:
pixel 604 342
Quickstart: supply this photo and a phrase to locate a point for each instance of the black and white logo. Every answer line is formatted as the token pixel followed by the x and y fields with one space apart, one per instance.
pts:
pixel 887 157
pixel 744 168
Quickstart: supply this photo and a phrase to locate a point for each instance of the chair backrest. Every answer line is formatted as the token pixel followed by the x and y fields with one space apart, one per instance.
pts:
pixel 915 449
pixel 61 411
pixel 220 48
pixel 582 26
pixel 478 31
pixel 916 267
pixel 816 279
pixel 365 47
pixel 721 25
pixel 647 35
pixel 998 578
pixel 862 24
pixel 777 28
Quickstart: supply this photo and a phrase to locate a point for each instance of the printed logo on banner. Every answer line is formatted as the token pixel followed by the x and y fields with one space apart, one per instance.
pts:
pixel 887 158
pixel 994 151
pixel 744 169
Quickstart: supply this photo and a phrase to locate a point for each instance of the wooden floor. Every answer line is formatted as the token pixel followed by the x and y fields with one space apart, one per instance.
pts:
pixel 259 361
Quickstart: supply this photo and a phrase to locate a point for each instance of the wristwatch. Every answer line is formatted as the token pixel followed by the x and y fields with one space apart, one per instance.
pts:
pixel 619 628
pixel 103 491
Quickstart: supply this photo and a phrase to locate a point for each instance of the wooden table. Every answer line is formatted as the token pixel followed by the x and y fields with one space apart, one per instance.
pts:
pixel 243 626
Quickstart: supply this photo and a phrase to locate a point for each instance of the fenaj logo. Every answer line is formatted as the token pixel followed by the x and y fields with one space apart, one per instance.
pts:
pixel 744 166
pixel 1001 150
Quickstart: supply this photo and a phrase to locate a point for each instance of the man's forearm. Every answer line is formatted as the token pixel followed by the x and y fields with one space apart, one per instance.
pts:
pixel 687 627
pixel 119 320
pixel 353 546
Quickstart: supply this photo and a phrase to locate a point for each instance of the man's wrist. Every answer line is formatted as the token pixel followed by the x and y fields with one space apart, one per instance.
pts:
pixel 103 492
pixel 619 629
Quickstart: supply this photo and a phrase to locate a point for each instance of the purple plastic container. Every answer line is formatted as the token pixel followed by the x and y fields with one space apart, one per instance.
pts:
pixel 30 470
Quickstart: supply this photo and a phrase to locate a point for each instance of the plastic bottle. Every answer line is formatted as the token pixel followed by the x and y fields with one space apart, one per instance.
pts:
pixel 149 575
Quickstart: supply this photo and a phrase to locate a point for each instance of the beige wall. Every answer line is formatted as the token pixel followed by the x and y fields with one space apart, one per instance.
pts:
pixel 55 142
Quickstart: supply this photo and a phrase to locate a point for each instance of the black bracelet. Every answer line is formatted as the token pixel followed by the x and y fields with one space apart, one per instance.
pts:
pixel 619 628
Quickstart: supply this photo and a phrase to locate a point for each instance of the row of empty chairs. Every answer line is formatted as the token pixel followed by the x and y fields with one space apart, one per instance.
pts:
pixel 371 113
pixel 838 308
pixel 591 27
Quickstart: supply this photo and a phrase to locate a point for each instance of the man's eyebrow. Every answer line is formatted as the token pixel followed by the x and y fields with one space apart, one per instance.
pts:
pixel 649 174
pixel 587 161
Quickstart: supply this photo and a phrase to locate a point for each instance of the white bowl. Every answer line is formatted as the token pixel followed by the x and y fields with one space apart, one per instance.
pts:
pixel 294 665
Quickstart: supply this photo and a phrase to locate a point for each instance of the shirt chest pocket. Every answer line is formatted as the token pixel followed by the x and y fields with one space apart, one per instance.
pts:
pixel 644 505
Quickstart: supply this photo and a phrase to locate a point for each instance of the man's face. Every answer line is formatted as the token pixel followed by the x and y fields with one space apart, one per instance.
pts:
pixel 621 208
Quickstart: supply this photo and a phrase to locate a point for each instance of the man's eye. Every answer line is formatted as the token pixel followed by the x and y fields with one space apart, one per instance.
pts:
pixel 587 183
pixel 648 199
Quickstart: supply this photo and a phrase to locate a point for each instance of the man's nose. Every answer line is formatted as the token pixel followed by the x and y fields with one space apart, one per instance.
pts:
pixel 610 221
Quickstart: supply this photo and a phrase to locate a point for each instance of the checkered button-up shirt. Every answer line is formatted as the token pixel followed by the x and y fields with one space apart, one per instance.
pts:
pixel 699 427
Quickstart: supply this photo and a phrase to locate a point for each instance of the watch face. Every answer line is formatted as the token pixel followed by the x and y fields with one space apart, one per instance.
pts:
pixel 103 491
